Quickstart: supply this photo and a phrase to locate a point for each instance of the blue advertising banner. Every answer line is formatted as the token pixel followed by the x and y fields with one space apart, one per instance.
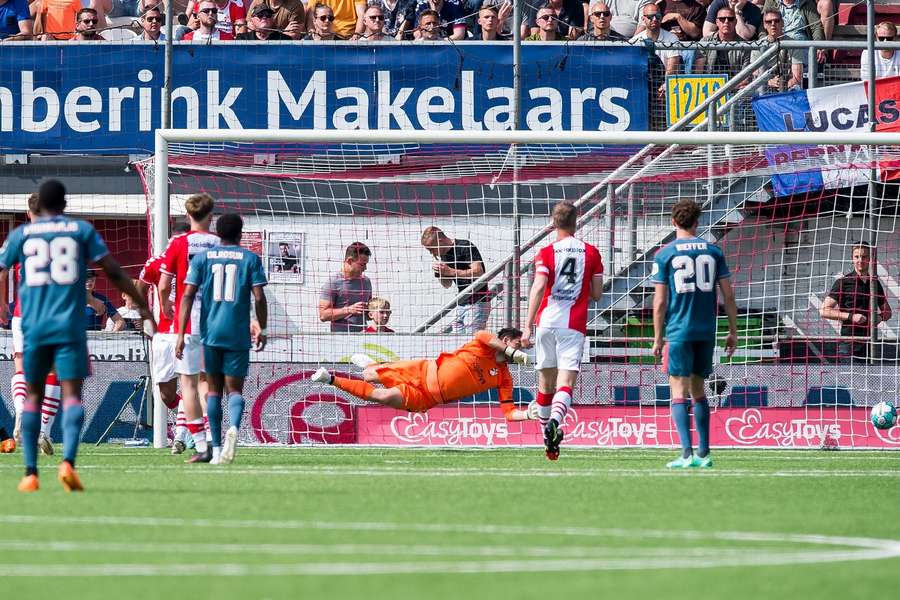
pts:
pixel 106 98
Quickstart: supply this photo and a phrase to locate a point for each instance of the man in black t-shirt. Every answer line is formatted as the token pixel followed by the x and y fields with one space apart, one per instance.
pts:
pixel 849 301
pixel 459 261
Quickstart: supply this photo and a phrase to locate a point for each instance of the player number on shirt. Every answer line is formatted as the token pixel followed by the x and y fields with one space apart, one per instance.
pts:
pixel 568 270
pixel 59 254
pixel 224 282
pixel 691 274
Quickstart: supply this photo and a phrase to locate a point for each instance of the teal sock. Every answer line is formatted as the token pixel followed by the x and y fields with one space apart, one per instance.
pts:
pixel 235 409
pixel 682 419
pixel 701 420
pixel 214 414
pixel 31 427
pixel 72 422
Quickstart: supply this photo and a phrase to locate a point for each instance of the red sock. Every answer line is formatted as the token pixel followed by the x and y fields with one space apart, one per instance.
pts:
pixel 357 387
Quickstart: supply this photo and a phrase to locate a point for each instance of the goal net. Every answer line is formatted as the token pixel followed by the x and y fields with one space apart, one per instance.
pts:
pixel 788 218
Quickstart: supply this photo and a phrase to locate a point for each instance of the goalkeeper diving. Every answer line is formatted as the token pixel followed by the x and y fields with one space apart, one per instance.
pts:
pixel 417 385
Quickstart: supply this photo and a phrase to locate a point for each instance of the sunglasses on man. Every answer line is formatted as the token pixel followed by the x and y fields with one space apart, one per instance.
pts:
pixel 726 19
pixel 324 18
pixel 210 11
pixel 601 13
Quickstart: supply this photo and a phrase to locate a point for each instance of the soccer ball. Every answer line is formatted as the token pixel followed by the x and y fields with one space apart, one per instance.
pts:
pixel 884 415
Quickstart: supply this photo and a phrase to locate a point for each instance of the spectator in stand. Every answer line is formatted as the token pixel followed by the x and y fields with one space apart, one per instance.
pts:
pixel 373 25
pixel 399 17
pixel 321 26
pixel 379 313
pixel 685 14
pixel 789 72
pixel 887 62
pixel 98 306
pixel 86 24
pixel 567 17
pixel 460 261
pixel 227 13
pixel 130 318
pixel 345 297
pixel 651 19
pixel 429 27
pixel 151 25
pixel 601 25
pixel 546 30
pixel 15 20
pixel 849 301
pixel 489 25
pixel 801 20
pixel 208 16
pixel 626 14
pixel 348 17
pixel 504 14
pixel 289 16
pixel 450 12
pixel 748 15
pixel 262 26
pixel 240 28
pixel 55 19
pixel 730 61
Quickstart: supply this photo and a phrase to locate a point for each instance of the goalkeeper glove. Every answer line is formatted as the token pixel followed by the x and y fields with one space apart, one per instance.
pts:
pixel 517 356
pixel 532 410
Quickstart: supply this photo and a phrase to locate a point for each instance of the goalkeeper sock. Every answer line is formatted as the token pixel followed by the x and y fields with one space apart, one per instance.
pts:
pixel 31 426
pixel 72 422
pixel 199 435
pixel 235 409
pixel 214 418
pixel 701 420
pixel 682 419
pixel 562 400
pixel 544 402
pixel 359 388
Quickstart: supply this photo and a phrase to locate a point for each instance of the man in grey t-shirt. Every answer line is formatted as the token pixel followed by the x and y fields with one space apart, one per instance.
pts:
pixel 345 295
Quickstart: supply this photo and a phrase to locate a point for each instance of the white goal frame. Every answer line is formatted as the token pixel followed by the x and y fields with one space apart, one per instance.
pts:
pixel 164 137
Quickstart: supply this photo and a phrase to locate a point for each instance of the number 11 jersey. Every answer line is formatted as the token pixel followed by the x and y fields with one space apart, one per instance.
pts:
pixel 225 277
pixel 690 267
pixel 569 265
pixel 54 253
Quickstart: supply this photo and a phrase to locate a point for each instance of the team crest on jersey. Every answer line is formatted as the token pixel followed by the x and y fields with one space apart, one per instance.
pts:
pixel 494 372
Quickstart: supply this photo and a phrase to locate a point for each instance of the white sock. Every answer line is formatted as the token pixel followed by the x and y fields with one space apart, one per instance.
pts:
pixel 199 436
pixel 50 406
pixel 180 422
pixel 562 400
pixel 216 451
pixel 19 391
pixel 206 427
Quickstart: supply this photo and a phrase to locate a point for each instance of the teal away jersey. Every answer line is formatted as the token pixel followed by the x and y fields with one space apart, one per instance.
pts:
pixel 54 253
pixel 690 267
pixel 225 277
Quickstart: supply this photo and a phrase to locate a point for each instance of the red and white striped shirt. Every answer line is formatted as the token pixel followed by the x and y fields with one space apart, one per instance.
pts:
pixel 175 262
pixel 569 265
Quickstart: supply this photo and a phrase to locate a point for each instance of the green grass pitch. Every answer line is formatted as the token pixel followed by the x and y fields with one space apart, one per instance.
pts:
pixel 428 523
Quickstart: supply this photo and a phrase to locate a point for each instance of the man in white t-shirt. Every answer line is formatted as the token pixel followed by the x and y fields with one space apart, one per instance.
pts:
pixel 567 275
pixel 887 62
pixel 651 18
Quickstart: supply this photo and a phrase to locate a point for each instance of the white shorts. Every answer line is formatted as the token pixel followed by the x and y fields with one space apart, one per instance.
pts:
pixel 18 339
pixel 163 347
pixel 191 362
pixel 558 348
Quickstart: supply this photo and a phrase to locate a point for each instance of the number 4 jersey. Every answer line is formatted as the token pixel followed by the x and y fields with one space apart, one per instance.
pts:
pixel 225 277
pixel 690 267
pixel 569 264
pixel 53 253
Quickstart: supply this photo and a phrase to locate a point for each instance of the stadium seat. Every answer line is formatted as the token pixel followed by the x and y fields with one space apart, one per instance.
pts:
pixel 626 395
pixel 747 396
pixel 828 396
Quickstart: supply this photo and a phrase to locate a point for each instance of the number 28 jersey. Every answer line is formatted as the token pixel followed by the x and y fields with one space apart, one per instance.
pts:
pixel 690 267
pixel 53 253
pixel 569 265
pixel 225 277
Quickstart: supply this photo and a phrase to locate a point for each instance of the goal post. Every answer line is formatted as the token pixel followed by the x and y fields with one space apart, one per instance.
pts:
pixel 311 192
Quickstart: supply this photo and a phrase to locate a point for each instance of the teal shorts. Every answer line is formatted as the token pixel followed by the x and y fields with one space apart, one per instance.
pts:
pixel 691 358
pixel 70 360
pixel 223 361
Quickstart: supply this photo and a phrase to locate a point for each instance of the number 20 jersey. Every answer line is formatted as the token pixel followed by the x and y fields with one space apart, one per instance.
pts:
pixel 569 265
pixel 690 267
pixel 53 253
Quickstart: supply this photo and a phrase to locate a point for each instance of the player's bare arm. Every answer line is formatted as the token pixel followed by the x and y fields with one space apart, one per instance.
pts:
pixel 731 311
pixel 184 315
pixel 534 301
pixel 166 306
pixel 4 293
pixel 596 287
pixel 660 301
pixel 124 284
pixel 262 316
